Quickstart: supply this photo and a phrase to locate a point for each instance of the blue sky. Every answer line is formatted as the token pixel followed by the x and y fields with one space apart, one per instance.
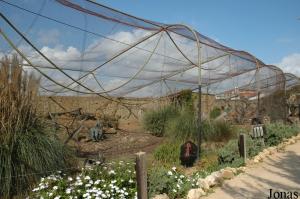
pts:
pixel 269 29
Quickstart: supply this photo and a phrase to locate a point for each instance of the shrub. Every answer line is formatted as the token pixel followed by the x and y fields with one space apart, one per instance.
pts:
pixel 171 182
pixel 27 152
pixel 229 153
pixel 155 120
pixel 183 127
pixel 115 180
pixel 217 131
pixel 254 146
pixel 183 99
pixel 214 113
pixel 168 152
pixel 276 132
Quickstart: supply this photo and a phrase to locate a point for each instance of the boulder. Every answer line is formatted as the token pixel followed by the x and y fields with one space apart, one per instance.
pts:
pixel 257 159
pixel 214 178
pixel 227 173
pixel 241 169
pixel 272 150
pixel 266 152
pixel 292 141
pixel 234 170
pixel 195 193
pixel 203 184
pixel 161 196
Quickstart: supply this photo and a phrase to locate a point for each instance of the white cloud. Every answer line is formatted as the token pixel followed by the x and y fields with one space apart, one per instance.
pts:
pixel 290 64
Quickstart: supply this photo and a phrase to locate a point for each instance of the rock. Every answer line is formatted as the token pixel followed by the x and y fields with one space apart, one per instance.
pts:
pixel 272 150
pixel 292 141
pixel 227 174
pixel 195 193
pixel 241 169
pixel 234 170
pixel 161 196
pixel 266 152
pixel 111 131
pixel 257 159
pixel 214 178
pixel 203 184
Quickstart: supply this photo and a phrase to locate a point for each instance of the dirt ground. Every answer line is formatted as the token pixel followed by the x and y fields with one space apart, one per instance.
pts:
pixel 124 142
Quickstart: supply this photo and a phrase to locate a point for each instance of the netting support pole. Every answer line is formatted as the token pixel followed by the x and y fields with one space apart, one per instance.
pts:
pixel 199 122
pixel 258 89
pixel 285 102
pixel 198 65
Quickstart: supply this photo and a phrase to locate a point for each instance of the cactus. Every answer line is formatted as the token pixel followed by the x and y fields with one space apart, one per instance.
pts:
pixel 97 132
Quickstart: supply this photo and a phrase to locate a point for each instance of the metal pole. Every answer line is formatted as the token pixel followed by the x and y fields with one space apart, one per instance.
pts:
pixel 198 64
pixel 258 88
pixel 199 101
pixel 285 102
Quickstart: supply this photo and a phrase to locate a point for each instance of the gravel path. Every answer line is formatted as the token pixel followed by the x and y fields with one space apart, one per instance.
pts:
pixel 279 172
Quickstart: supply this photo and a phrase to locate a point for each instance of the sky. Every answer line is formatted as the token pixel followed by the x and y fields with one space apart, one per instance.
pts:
pixel 268 29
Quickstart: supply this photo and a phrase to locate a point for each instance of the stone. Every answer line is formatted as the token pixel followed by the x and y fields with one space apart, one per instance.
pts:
pixel 203 184
pixel 272 150
pixel 214 178
pixel 195 193
pixel 241 169
pixel 111 131
pixel 227 174
pixel 266 152
pixel 234 170
pixel 292 141
pixel 257 159
pixel 161 196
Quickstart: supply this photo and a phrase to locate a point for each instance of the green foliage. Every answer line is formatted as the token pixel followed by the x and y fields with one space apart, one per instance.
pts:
pixel 229 153
pixel 183 99
pixel 155 121
pixel 183 127
pixel 214 113
pixel 115 180
pixel 276 132
pixel 171 182
pixel 217 131
pixel 254 146
pixel 27 151
pixel 168 152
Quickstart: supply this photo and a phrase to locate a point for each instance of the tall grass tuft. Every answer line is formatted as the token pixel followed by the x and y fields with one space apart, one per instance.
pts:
pixel 184 126
pixel 27 150
pixel 155 121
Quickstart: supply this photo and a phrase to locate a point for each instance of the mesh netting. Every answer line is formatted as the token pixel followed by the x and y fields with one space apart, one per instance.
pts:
pixel 81 47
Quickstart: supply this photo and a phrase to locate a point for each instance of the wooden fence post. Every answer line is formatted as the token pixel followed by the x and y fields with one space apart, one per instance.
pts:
pixel 242 146
pixel 141 175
